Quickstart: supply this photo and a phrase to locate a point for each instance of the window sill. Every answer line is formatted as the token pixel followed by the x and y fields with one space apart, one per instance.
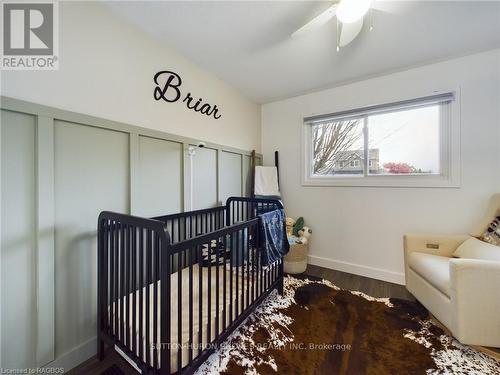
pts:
pixel 409 181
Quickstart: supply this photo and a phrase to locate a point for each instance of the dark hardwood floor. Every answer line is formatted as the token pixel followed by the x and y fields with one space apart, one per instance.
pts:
pixel 372 287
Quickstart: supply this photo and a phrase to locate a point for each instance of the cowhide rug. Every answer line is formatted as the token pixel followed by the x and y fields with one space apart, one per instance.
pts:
pixel 317 328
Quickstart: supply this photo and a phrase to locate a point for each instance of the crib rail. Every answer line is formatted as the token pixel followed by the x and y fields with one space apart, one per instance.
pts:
pixel 242 208
pixel 186 225
pixel 132 258
pixel 170 289
pixel 235 280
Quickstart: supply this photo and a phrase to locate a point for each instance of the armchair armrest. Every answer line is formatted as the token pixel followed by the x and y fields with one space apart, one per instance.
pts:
pixel 437 244
pixel 475 295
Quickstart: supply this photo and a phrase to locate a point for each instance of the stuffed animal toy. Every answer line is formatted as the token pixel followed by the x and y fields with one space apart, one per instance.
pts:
pixel 289 226
pixel 304 235
pixel 299 224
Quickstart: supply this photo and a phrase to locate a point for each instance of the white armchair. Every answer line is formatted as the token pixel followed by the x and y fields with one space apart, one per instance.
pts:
pixel 463 294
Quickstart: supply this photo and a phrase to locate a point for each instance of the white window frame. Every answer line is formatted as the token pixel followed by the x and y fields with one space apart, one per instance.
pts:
pixel 449 146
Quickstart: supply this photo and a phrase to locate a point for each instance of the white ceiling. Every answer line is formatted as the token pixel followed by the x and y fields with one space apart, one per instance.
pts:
pixel 248 44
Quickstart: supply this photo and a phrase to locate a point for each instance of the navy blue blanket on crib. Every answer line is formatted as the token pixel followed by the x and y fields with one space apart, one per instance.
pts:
pixel 273 236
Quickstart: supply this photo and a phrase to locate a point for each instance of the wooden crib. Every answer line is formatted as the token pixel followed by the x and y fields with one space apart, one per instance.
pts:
pixel 172 288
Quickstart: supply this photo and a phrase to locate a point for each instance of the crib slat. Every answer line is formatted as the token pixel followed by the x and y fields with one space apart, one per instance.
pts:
pixel 254 261
pixel 247 249
pixel 134 286
pixel 179 313
pixel 237 272
pixel 165 323
pixel 179 229
pixel 184 231
pixel 260 267
pixel 127 286
pixel 122 281
pixel 141 294
pixel 117 311
pixel 200 300
pixel 148 300
pixel 224 285
pixel 217 280
pixel 231 278
pixel 190 304
pixel 209 293
pixel 155 250
pixel 274 272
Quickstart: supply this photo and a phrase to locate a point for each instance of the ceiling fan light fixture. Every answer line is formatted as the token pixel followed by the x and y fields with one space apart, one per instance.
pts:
pixel 349 11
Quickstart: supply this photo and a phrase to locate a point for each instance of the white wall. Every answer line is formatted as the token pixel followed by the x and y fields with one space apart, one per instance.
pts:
pixel 360 229
pixel 107 68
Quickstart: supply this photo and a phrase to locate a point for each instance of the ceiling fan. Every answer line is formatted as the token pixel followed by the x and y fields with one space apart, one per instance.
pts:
pixel 350 16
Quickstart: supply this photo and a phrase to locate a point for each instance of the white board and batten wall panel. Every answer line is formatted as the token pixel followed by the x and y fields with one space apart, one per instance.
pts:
pixel 160 177
pixel 204 178
pixel 91 175
pixel 59 170
pixel 18 260
pixel 230 175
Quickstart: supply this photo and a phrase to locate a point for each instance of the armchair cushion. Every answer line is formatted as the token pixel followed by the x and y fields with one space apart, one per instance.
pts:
pixel 434 269
pixel 476 249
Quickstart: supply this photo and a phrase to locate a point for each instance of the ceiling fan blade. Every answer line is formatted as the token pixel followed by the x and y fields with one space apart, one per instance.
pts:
pixel 317 21
pixel 349 31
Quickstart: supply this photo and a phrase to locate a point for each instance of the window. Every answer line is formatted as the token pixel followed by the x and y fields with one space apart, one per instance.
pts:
pixel 398 144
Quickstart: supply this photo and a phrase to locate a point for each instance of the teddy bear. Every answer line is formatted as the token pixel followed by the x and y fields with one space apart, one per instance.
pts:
pixel 304 234
pixel 289 226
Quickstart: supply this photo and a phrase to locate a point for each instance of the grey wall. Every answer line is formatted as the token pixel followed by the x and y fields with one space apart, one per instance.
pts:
pixel 204 182
pixel 58 171
pixel 160 179
pixel 18 239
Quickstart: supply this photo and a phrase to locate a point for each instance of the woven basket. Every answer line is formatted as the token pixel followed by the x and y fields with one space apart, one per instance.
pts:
pixel 296 259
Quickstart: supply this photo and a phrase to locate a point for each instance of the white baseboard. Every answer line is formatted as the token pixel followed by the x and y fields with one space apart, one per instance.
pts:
pixel 358 269
pixel 76 356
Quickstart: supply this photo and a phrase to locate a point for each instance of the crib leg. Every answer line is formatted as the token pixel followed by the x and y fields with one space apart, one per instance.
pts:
pixel 280 287
pixel 100 349
pixel 281 272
